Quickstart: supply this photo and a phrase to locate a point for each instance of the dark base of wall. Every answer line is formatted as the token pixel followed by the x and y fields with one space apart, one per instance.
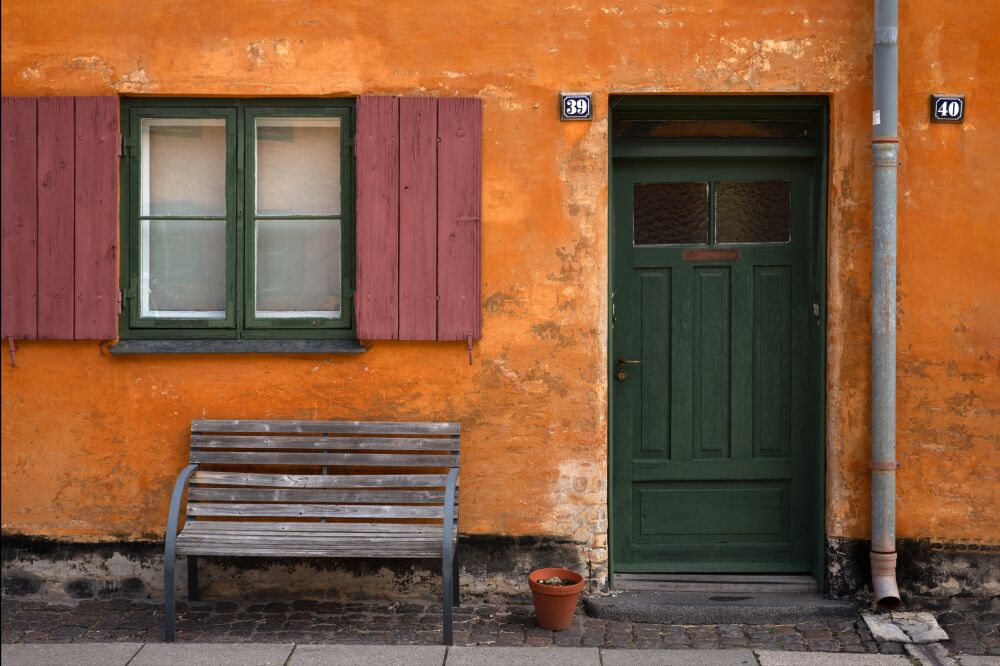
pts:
pixel 925 569
pixel 491 565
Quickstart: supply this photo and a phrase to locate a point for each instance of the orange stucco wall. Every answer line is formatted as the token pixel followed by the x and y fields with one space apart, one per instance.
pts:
pixel 91 443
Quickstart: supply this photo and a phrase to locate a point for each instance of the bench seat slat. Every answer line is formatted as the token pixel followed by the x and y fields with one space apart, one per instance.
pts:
pixel 331 459
pixel 309 538
pixel 315 510
pixel 326 427
pixel 288 551
pixel 329 443
pixel 220 526
pixel 320 481
pixel 374 496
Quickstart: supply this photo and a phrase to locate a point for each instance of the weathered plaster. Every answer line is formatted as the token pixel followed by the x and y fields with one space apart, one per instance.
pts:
pixel 91 443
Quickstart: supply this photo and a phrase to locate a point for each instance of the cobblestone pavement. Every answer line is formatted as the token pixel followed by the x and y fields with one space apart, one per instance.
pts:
pixel 476 623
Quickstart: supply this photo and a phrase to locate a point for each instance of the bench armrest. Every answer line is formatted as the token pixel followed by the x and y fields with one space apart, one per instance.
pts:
pixel 175 499
pixel 449 513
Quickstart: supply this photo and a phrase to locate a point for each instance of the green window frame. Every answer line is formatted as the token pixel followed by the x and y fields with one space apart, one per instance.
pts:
pixel 242 320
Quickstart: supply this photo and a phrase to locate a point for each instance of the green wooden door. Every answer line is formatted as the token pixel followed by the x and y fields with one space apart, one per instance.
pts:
pixel 713 437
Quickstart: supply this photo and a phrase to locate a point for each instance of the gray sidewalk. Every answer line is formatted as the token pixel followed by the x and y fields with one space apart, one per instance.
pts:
pixel 291 654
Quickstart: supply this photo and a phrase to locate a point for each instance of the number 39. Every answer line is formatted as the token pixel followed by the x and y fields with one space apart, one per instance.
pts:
pixel 577 107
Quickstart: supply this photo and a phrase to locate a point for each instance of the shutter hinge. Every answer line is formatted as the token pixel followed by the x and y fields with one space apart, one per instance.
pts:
pixel 816 310
pixel 128 293
pixel 347 148
pixel 124 144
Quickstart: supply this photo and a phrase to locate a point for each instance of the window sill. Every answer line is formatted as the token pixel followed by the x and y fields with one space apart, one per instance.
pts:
pixel 130 347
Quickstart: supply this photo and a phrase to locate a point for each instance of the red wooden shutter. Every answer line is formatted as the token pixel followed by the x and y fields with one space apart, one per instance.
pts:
pixel 60 218
pixel 20 218
pixel 377 292
pixel 418 227
pixel 459 181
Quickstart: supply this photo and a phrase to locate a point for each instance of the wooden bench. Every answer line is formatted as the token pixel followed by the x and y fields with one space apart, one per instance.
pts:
pixel 317 489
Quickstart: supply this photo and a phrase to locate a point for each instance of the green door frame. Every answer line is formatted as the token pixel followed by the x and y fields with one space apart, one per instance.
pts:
pixel 813 109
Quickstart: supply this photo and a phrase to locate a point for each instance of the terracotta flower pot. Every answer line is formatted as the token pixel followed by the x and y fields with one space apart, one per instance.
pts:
pixel 555 604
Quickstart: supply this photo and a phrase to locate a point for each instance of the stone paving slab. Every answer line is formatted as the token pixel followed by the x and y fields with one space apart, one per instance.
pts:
pixel 212 654
pixel 69 654
pixel 508 656
pixel 773 658
pixel 370 655
pixel 678 658
pixel 978 660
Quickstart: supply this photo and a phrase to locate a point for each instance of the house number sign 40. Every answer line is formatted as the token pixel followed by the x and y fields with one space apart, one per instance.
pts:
pixel 948 108
pixel 575 106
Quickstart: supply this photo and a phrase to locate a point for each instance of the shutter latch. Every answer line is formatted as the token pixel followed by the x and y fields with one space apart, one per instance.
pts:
pixel 469 339
pixel 10 343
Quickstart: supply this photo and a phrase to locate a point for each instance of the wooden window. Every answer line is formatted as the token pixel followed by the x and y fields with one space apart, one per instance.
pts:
pixel 60 218
pixel 238 219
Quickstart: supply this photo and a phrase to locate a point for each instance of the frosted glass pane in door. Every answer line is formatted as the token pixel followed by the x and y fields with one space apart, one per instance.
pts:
pixel 183 166
pixel 298 269
pixel 753 211
pixel 298 166
pixel 182 269
pixel 670 213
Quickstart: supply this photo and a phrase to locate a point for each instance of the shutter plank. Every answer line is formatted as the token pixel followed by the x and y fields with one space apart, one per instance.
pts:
pixel 417 218
pixel 18 263
pixel 377 293
pixel 459 218
pixel 56 138
pixel 96 209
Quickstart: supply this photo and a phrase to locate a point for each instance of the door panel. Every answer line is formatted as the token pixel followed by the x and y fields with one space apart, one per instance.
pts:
pixel 710 453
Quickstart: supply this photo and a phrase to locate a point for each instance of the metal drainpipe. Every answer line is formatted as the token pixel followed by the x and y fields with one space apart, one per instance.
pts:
pixel 885 154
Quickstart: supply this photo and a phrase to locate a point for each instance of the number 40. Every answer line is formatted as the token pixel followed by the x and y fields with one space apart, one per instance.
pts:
pixel 949 108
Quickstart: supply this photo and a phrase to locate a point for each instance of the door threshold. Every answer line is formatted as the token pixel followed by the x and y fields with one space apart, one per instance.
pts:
pixel 796 583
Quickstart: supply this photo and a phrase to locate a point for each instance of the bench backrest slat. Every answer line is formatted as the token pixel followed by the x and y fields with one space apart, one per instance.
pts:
pixel 319 427
pixel 307 495
pixel 315 510
pixel 319 481
pixel 339 459
pixel 422 444
pixel 243 471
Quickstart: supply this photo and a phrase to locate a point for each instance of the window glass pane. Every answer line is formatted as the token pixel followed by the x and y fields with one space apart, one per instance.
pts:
pixel 183 166
pixel 298 166
pixel 666 213
pixel 298 268
pixel 753 211
pixel 182 269
pixel 713 129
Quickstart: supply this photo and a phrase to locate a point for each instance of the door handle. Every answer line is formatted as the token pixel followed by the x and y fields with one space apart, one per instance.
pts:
pixel 627 361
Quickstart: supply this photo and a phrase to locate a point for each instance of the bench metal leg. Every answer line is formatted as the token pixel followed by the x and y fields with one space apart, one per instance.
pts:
pixel 170 556
pixel 457 576
pixel 193 594
pixel 169 587
pixel 446 601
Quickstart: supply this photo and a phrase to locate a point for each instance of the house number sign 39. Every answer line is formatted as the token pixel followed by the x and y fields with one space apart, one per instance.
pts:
pixel 947 108
pixel 575 106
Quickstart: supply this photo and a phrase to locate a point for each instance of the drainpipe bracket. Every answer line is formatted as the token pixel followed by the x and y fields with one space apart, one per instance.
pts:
pixel 889 466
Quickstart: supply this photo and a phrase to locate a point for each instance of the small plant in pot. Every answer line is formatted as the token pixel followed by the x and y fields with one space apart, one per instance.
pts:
pixel 555 593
